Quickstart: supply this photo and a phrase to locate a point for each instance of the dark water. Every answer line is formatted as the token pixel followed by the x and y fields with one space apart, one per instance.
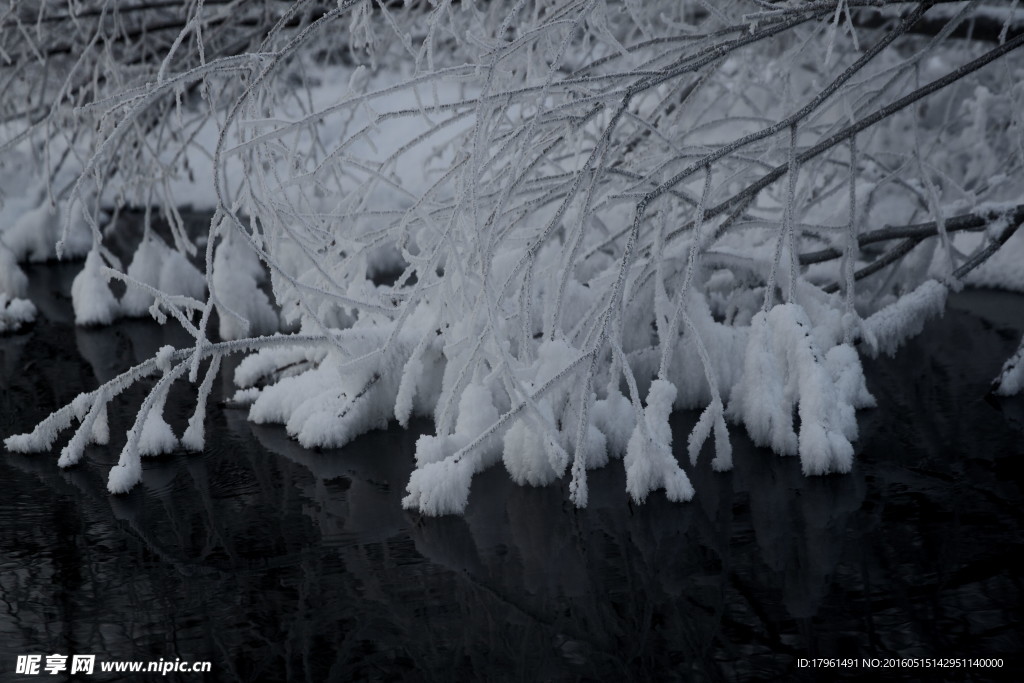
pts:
pixel 277 563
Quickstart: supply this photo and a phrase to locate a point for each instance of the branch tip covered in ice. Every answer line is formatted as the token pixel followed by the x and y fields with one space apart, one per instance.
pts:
pixel 887 329
pixel 1011 378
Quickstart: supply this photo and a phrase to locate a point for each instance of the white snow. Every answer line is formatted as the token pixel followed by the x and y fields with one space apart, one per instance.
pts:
pixel 1004 269
pixel 1011 378
pixel 440 483
pixel 331 403
pixel 13 281
pixel 125 475
pixel 713 417
pixel 476 413
pixel 615 418
pixel 93 302
pixel 93 428
pixel 527 450
pixel 244 397
pixel 14 313
pixel 650 464
pixel 34 234
pixel 157 437
pixel 534 450
pixel 440 488
pixel 268 363
pixel 784 369
pixel 194 438
pixel 887 329
pixel 242 307
pixel 79 240
pixel 163 358
pixel 407 388
pixel 162 268
pixel 529 314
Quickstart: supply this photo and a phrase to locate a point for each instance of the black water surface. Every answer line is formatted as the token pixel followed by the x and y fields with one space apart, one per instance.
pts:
pixel 277 563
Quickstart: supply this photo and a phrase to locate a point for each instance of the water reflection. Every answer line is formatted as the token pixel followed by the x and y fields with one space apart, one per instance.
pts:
pixel 279 563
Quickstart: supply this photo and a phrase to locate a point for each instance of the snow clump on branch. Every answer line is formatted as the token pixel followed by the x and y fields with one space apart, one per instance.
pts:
pixel 543 226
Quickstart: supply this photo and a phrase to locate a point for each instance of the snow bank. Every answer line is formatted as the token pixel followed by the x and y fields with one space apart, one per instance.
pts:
pixel 243 309
pixel 784 369
pixel 35 233
pixel 13 281
pixel 14 313
pixel 93 302
pixel 164 269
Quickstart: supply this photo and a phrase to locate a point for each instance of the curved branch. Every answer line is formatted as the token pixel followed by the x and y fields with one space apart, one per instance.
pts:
pixel 919 231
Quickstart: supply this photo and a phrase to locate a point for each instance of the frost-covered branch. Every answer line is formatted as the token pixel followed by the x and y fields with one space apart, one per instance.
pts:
pixel 545 225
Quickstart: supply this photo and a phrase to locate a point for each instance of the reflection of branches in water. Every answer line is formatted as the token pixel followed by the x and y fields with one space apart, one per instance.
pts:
pixel 603 606
pixel 71 564
pixel 405 591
